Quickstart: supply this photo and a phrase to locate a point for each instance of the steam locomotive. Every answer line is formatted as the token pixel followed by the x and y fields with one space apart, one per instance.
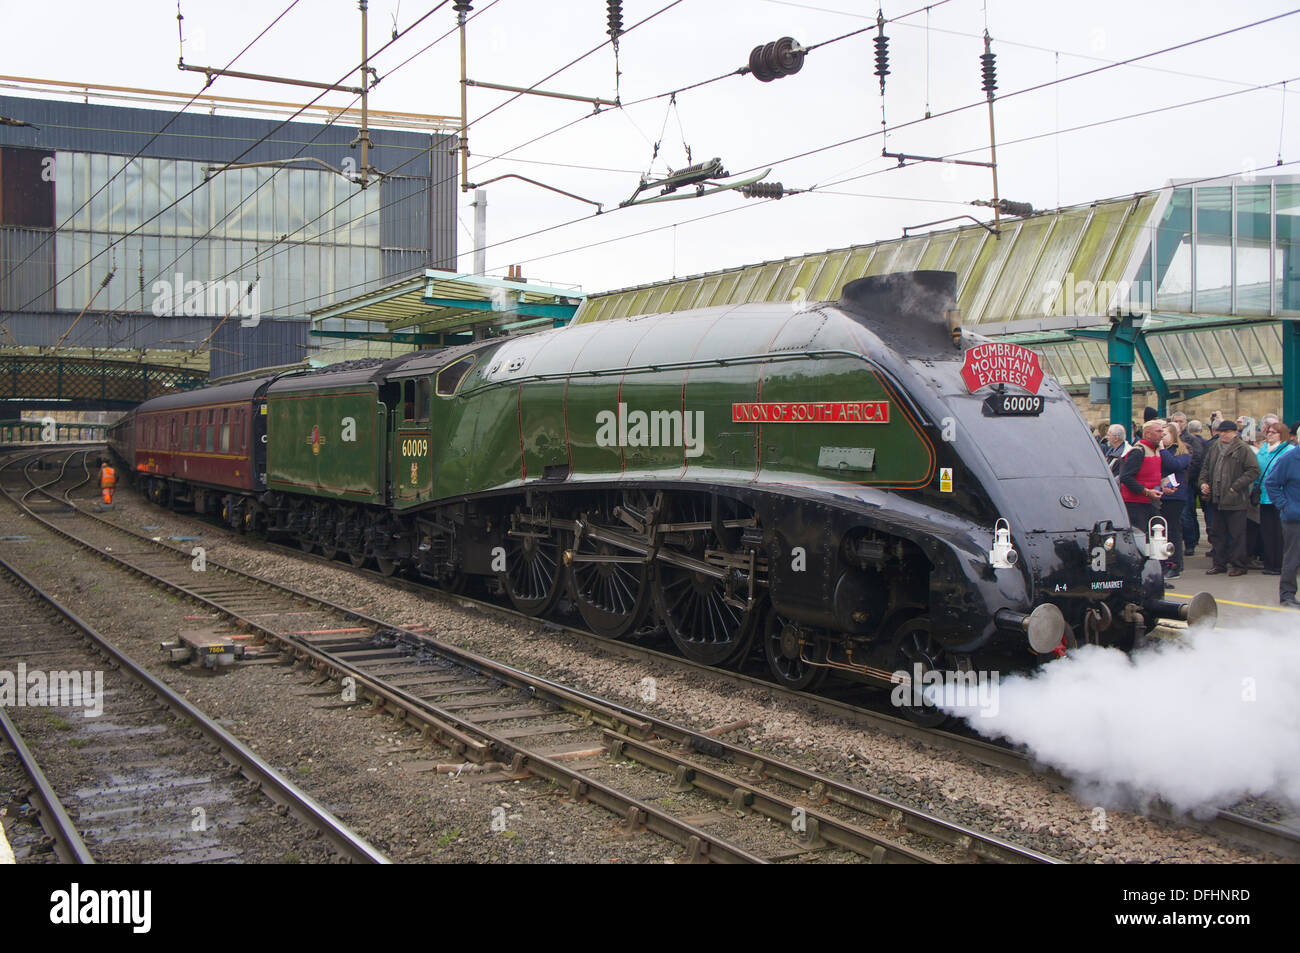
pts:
pixel 860 486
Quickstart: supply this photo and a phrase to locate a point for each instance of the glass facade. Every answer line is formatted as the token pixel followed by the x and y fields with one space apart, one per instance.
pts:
pixel 1226 249
pixel 329 226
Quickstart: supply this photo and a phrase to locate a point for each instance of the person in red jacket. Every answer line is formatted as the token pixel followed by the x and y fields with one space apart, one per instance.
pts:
pixel 1139 476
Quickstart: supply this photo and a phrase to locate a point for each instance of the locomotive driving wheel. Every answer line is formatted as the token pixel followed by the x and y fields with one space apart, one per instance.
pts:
pixel 532 577
pixel 710 619
pixel 329 530
pixel 915 645
pixel 787 646
pixel 609 585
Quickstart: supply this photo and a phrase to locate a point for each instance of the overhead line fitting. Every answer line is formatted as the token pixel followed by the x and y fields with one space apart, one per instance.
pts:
pixel 780 58
pixel 615 19
pixel 988 65
pixel 882 51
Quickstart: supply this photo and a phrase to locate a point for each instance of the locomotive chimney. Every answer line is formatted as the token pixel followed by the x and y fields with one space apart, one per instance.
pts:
pixel 914 312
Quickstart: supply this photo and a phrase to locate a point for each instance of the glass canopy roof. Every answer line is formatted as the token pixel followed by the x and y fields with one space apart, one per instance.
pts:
pixel 1212 263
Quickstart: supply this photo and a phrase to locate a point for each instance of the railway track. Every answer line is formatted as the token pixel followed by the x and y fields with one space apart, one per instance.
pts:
pixel 121 768
pixel 1280 838
pixel 494 714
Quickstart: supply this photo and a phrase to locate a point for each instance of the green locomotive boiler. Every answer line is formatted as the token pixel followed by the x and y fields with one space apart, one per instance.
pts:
pixel 856 486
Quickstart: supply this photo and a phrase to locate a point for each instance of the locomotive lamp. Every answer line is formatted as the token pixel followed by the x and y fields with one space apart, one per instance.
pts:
pixel 1002 555
pixel 1158 545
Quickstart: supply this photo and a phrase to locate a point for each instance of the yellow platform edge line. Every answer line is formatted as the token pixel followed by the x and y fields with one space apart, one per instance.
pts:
pixel 1229 602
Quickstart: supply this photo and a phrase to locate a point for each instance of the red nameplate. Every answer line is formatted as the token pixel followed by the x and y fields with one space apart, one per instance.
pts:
pixel 813 412
pixel 987 364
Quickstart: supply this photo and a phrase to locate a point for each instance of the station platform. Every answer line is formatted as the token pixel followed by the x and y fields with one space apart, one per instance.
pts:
pixel 1242 599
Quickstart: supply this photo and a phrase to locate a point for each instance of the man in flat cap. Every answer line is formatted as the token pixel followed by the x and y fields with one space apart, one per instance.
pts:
pixel 1229 471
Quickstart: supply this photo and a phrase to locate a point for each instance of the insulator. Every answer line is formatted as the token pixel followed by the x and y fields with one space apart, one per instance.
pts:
pixel 463 6
pixel 987 59
pixel 712 166
pixel 615 18
pixel 763 190
pixel 882 51
pixel 783 57
pixel 1020 209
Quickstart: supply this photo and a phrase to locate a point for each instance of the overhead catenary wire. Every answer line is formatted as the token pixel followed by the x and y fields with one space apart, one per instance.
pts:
pixel 477 119
pixel 550 228
pixel 1281 132
pixel 825 188
pixel 739 71
pixel 1037 87
pixel 195 242
pixel 890 169
pixel 1141 114
pixel 313 101
pixel 1004 42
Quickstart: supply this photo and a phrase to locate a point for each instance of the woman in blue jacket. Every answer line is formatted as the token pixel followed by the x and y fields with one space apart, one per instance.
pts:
pixel 1270 526
pixel 1175 458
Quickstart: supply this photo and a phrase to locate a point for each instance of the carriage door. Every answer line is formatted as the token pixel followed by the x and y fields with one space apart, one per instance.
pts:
pixel 413 478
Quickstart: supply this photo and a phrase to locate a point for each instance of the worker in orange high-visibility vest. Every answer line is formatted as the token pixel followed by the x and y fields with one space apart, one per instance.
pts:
pixel 107 480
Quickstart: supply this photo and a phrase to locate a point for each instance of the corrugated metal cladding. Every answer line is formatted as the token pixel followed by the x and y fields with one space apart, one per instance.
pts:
pixel 417 215
pixel 399 263
pixel 117 130
pixel 420 213
pixel 403 217
pixel 33 281
pixel 44 328
pixel 236 349
pixel 442 217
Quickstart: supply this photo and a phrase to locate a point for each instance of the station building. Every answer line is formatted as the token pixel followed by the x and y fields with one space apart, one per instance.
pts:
pixel 121 239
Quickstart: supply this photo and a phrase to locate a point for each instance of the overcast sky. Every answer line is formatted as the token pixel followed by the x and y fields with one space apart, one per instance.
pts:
pixel 746 123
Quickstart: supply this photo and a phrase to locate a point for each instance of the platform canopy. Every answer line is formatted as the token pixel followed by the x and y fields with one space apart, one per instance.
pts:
pixel 443 307
pixel 1209 266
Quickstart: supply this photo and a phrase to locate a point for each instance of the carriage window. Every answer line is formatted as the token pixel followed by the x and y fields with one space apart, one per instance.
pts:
pixel 225 414
pixel 210 436
pixel 225 438
pixel 185 439
pixel 174 427
pixel 449 377
pixel 237 433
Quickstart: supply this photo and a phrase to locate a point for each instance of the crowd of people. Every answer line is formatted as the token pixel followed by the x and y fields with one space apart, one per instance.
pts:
pixel 1243 475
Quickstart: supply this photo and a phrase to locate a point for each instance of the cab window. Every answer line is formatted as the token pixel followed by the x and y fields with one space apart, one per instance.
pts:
pixel 449 377
pixel 415 399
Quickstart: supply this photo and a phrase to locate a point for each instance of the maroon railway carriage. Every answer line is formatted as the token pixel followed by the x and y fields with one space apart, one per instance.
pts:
pixel 213 439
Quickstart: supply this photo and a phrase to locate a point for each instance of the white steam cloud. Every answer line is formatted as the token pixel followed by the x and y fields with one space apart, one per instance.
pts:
pixel 1199 722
